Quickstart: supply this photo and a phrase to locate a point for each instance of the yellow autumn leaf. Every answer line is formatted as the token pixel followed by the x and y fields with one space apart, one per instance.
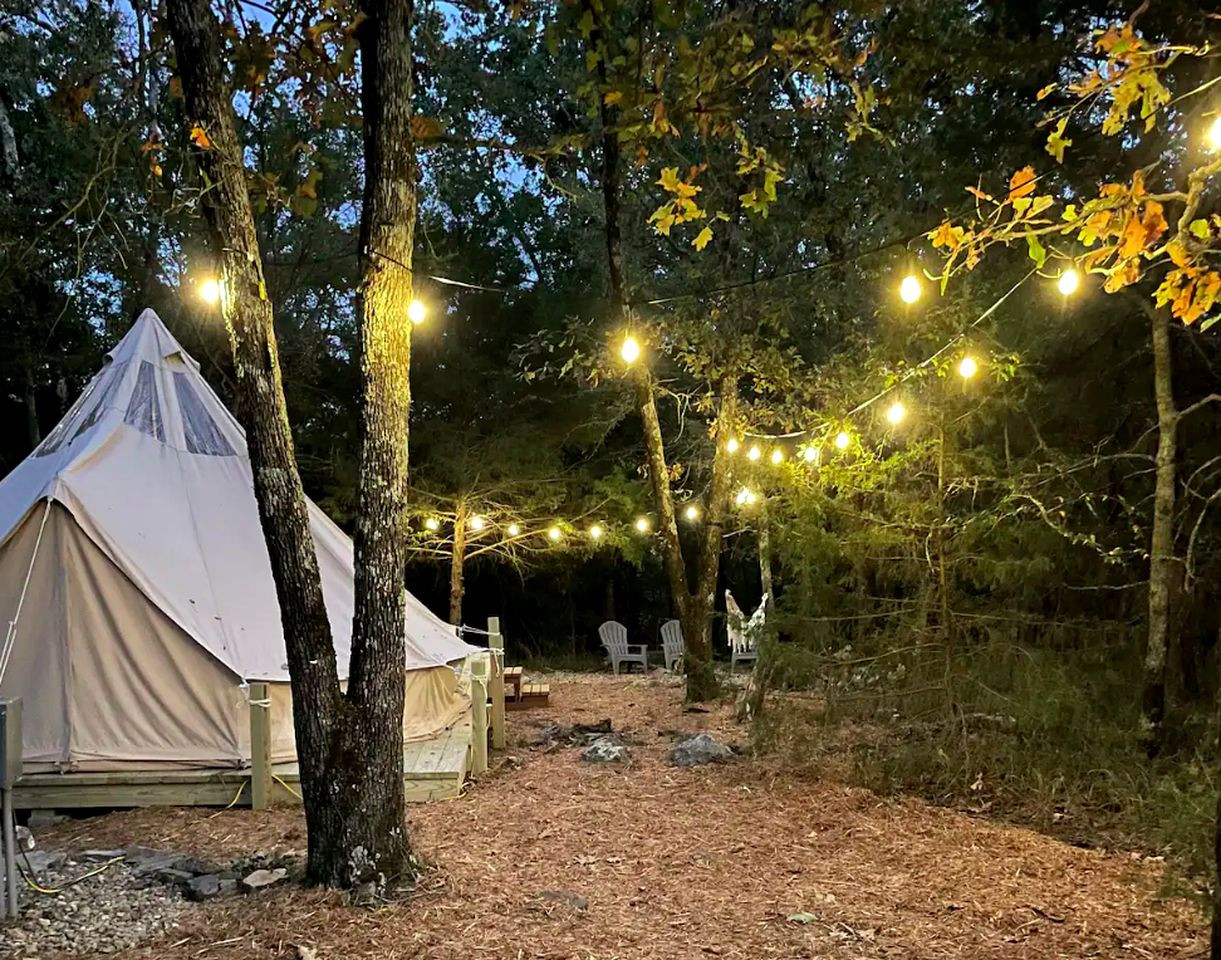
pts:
pixel 200 138
pixel 1021 184
pixel 702 239
pixel 669 180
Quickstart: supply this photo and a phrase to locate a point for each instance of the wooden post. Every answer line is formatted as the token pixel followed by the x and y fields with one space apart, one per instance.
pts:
pixel 260 746
pixel 479 715
pixel 496 686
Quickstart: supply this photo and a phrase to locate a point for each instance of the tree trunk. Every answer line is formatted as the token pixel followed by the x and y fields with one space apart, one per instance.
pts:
pixel 367 838
pixel 349 747
pixel 1162 562
pixel 33 429
pixel 765 562
pixel 694 610
pixel 457 560
pixel 317 701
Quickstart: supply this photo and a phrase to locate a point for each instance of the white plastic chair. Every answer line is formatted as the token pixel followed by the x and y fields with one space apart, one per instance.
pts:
pixel 743 634
pixel 672 643
pixel 613 635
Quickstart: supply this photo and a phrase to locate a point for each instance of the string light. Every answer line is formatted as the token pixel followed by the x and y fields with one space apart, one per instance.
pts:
pixel 967 367
pixel 693 513
pixel 514 530
pixel 754 453
pixel 732 445
pixel 842 439
pixel 630 350
pixel 896 412
pixel 745 497
pixel 1068 283
pixel 1214 134
pixel 209 290
pixel 595 532
pixel 554 534
pixel 777 456
pixel 642 524
pixel 433 524
pixel 911 288
pixel 478 523
pixel 416 311
pixel 810 454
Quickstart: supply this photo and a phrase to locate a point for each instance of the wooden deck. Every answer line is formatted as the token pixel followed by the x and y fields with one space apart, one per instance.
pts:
pixel 432 770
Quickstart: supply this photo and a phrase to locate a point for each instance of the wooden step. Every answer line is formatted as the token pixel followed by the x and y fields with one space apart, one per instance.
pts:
pixel 532 695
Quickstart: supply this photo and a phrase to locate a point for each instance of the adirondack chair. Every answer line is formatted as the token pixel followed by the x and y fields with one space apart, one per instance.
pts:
pixel 743 633
pixel 614 638
pixel 672 643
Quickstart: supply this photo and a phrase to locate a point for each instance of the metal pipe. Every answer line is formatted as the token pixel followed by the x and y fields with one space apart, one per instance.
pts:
pixel 10 852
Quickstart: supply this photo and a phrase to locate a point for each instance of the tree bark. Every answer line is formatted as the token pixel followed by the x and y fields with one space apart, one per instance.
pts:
pixel 368 838
pixel 32 426
pixel 765 561
pixel 457 560
pixel 1162 562
pixel 349 748
pixel 694 609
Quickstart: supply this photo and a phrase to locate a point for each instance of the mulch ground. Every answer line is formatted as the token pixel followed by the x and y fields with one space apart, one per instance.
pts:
pixel 734 861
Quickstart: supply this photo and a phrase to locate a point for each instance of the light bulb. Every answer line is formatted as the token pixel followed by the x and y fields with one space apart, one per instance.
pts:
pixel 209 290
pixel 751 497
pixel 693 513
pixel 478 523
pixel 1069 281
pixel 595 532
pixel 810 454
pixel 842 439
pixel 1214 134
pixel 744 497
pixel 732 445
pixel 416 311
pixel 514 530
pixel 777 455
pixel 911 288
pixel 554 534
pixel 967 368
pixel 432 524
pixel 642 524
pixel 754 453
pixel 896 412
pixel 630 351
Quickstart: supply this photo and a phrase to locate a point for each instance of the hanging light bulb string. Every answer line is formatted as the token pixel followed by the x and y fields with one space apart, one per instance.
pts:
pixel 911 372
pixel 949 345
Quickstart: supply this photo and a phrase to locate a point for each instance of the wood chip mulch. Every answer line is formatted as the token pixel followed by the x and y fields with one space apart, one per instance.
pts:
pixel 550 857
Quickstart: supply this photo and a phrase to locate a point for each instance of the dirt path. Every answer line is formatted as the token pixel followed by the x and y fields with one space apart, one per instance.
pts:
pixel 675 863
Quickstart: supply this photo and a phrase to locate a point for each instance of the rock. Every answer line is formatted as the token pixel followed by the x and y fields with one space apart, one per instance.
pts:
pixel 261 879
pixel 25 838
pixel 171 875
pixel 45 818
pixel 99 856
pixel 604 750
pixel 203 888
pixel 576 901
pixel 40 862
pixel 698 750
pixel 196 866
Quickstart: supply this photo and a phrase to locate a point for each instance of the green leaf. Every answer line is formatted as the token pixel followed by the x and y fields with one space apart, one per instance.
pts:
pixel 1036 250
pixel 802 918
pixel 1199 229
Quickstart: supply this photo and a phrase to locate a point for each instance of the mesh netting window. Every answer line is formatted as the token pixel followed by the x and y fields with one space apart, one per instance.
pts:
pixel 202 433
pixel 144 408
pixel 96 399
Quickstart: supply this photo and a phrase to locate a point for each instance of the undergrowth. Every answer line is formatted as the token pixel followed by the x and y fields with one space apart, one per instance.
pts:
pixel 1049 739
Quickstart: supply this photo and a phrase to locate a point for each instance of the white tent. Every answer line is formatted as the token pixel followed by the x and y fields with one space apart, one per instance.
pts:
pixel 136 587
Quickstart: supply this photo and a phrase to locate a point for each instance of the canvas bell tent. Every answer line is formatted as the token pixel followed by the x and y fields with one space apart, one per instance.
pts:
pixel 136 590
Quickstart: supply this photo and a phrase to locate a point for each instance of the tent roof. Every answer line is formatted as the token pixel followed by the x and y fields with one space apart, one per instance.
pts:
pixel 155 470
